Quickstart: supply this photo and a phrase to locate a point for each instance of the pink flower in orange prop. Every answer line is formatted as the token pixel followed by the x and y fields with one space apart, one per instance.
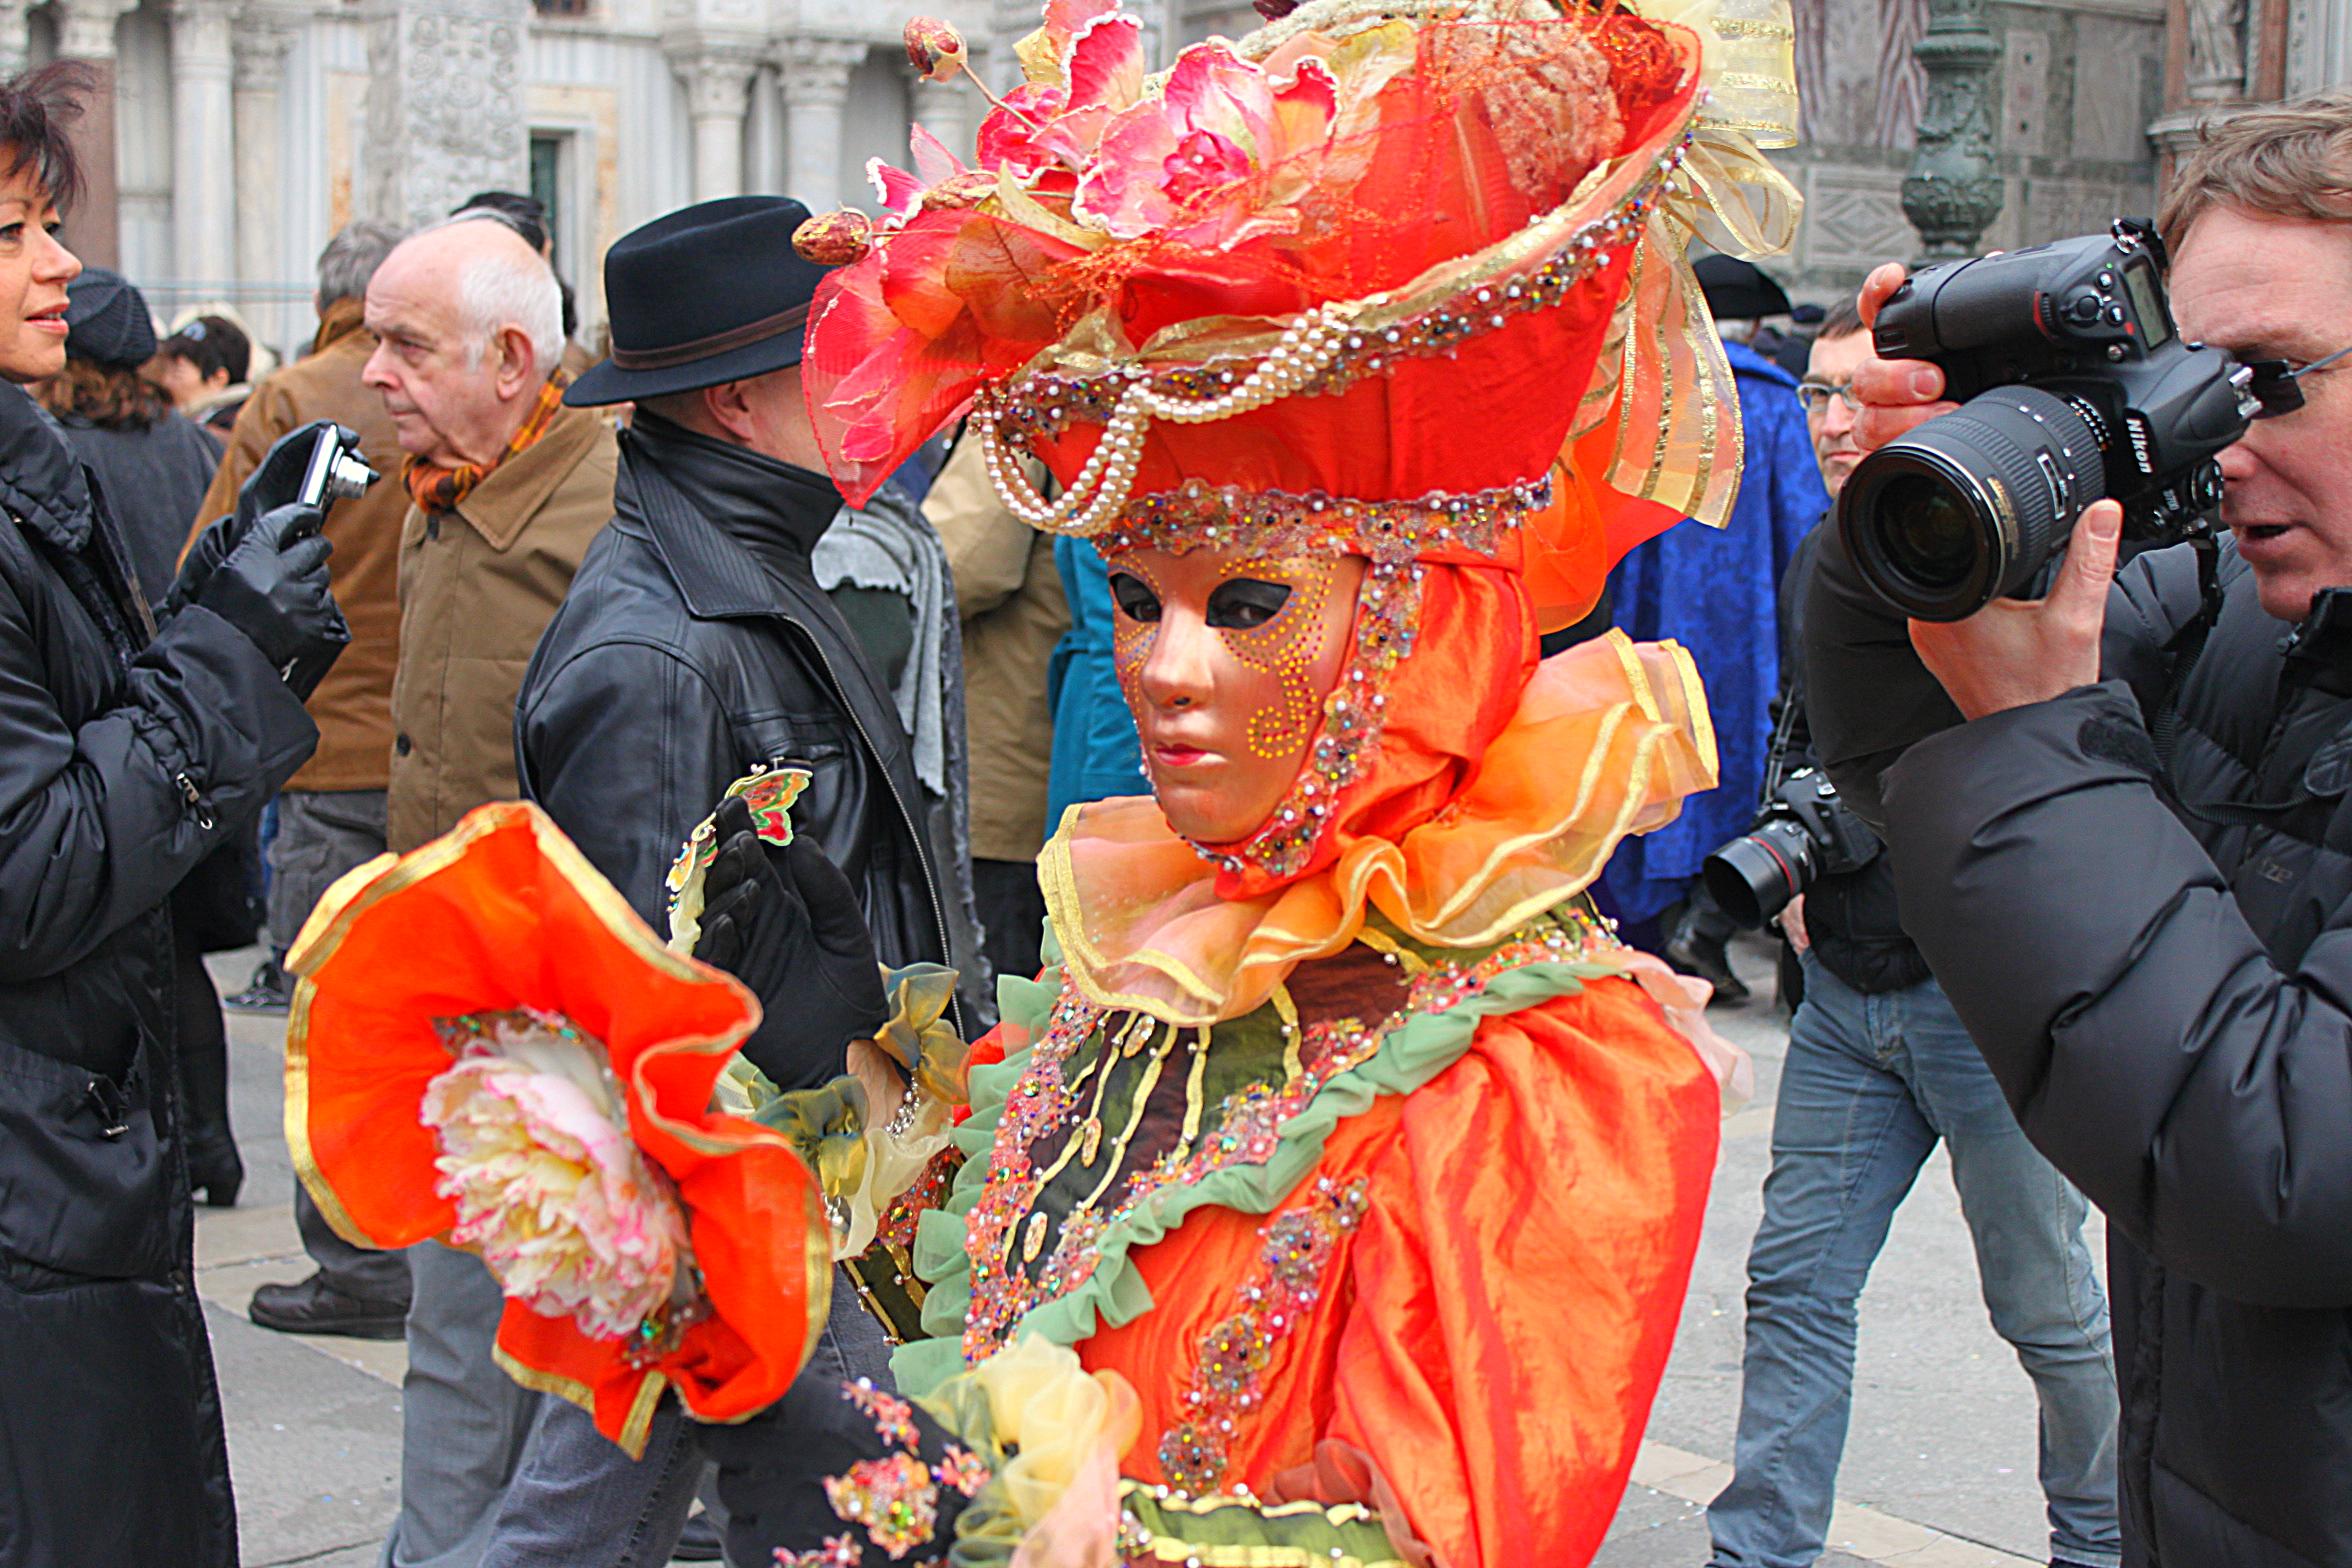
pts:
pixel 489 1048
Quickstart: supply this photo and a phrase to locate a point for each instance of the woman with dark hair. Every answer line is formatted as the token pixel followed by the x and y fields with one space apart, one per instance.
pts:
pixel 153 466
pixel 129 753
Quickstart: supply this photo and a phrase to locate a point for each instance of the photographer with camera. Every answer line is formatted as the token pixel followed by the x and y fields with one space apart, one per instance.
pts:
pixel 1878 1070
pixel 2121 813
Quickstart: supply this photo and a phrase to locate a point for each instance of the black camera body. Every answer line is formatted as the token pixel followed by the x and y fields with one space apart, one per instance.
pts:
pixel 1803 832
pixel 2074 385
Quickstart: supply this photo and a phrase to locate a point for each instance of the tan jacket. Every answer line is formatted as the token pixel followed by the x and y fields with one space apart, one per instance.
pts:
pixel 1010 598
pixel 476 590
pixel 353 704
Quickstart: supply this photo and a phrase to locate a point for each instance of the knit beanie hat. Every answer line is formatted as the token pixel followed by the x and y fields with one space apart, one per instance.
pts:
pixel 106 320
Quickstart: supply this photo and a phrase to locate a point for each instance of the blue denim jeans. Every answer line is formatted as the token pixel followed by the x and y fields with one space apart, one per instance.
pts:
pixel 1870 1084
pixel 579 1502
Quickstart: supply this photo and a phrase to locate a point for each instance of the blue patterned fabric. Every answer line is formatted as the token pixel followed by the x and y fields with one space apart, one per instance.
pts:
pixel 1714 591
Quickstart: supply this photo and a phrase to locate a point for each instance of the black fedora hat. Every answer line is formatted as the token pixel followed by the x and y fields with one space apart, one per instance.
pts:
pixel 1739 290
pixel 710 293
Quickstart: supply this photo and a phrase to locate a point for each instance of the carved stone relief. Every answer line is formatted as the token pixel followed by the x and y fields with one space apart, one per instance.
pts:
pixel 445 109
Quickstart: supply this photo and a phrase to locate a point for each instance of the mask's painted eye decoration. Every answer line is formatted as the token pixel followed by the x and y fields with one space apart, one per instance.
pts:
pixel 1139 603
pixel 1246 603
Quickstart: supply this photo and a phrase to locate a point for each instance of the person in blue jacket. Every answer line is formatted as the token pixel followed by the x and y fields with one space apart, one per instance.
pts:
pixel 1715 592
pixel 1095 752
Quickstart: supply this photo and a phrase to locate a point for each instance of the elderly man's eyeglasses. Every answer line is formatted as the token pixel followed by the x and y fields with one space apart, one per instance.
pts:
pixel 2278 383
pixel 1815 395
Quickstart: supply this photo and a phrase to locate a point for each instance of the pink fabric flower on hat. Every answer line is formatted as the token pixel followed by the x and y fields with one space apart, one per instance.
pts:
pixel 1220 121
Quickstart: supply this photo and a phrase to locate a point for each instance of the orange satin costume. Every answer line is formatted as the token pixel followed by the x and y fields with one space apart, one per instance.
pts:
pixel 1489 1335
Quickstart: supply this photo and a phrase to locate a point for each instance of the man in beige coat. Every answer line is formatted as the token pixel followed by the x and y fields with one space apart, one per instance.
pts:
pixel 1010 599
pixel 507 487
pixel 331 814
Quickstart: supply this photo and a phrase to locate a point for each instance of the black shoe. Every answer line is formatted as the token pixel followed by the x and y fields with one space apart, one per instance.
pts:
pixel 698 1542
pixel 215 1171
pixel 1710 961
pixel 269 991
pixel 313 1306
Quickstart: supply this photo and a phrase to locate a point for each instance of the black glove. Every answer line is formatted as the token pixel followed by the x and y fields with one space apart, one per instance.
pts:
pixel 786 923
pixel 274 483
pixel 273 587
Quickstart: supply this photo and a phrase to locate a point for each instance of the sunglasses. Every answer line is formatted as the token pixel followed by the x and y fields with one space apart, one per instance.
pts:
pixel 2277 384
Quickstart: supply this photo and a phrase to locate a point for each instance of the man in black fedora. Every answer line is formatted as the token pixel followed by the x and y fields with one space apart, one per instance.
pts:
pixel 693 648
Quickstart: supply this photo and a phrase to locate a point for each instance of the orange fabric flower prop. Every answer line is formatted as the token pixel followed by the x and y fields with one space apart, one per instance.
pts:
pixel 490 1049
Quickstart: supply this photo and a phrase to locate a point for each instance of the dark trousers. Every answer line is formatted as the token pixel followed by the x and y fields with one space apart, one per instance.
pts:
pixel 1012 908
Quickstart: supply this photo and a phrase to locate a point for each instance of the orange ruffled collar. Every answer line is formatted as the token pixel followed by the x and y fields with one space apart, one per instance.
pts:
pixel 1607 739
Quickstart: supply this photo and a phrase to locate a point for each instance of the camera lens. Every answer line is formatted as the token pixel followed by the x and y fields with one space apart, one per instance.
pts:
pixel 1752 879
pixel 1930 535
pixel 1971 506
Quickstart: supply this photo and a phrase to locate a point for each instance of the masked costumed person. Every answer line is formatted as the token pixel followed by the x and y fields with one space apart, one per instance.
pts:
pixel 1334 1198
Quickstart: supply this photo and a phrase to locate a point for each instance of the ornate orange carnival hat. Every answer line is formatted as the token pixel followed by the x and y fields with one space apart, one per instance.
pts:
pixel 1400 278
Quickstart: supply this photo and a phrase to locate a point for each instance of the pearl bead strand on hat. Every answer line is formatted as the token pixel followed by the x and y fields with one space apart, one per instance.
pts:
pixel 1305 350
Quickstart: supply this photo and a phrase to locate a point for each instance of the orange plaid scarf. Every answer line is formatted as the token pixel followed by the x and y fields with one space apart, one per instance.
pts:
pixel 437 489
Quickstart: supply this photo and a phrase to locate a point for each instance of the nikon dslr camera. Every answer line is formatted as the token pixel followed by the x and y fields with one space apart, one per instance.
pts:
pixel 2074 385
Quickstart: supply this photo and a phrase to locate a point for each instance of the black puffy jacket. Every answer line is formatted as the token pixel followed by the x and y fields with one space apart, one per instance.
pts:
pixel 695 646
pixel 2139 897
pixel 123 762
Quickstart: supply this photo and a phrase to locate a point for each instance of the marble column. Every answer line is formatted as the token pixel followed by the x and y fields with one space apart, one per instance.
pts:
pixel 259 47
pixel 15 38
pixel 816 93
pixel 444 105
pixel 204 202
pixel 718 94
pixel 85 32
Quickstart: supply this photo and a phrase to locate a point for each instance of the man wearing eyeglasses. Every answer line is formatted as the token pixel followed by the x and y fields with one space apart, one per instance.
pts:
pixel 2121 820
pixel 1879 1071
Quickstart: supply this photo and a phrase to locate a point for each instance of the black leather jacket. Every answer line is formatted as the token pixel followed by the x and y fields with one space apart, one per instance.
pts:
pixel 2138 896
pixel 123 762
pixel 695 646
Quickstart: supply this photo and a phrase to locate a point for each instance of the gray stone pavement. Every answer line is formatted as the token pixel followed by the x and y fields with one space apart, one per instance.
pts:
pixel 1939 1471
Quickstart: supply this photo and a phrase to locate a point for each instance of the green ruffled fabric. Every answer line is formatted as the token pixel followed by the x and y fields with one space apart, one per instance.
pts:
pixel 1415 1052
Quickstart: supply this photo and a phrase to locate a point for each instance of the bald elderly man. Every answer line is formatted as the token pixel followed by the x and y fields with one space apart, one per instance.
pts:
pixel 506 488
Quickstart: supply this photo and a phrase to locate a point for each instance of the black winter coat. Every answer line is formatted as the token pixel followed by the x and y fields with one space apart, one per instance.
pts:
pixel 2155 957
pixel 123 762
pixel 695 646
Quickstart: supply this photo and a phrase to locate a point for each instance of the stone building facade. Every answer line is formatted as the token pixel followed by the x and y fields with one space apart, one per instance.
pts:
pixel 240 133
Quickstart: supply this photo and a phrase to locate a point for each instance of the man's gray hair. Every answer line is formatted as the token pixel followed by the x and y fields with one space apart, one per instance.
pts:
pixel 351 259
pixel 497 292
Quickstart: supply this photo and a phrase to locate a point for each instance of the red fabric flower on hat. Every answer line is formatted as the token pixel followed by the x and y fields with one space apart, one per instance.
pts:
pixel 489 1048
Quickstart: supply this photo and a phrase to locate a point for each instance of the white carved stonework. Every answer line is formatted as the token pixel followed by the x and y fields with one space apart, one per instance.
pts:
pixel 2319 45
pixel 258 48
pixel 2216 50
pixel 444 105
pixel 718 93
pixel 15 38
pixel 816 87
pixel 203 198
pixel 1854 219
pixel 85 28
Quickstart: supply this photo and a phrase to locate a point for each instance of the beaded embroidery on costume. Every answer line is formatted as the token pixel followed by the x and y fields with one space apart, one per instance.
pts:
pixel 1114 1108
